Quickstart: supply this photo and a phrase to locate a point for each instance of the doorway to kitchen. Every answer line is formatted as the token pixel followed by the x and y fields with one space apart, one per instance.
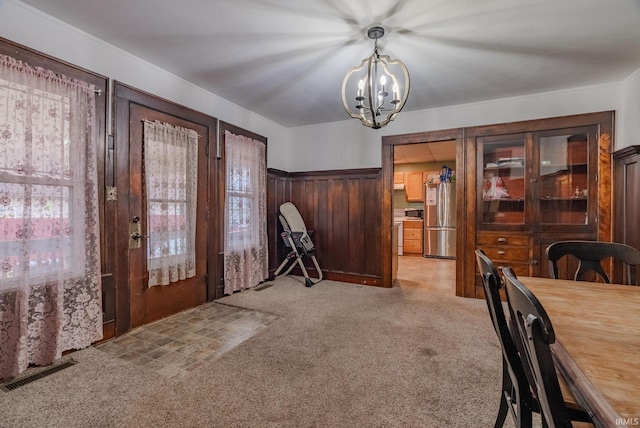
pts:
pixel 424 209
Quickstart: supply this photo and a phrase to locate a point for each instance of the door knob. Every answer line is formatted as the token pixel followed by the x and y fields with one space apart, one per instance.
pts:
pixel 134 233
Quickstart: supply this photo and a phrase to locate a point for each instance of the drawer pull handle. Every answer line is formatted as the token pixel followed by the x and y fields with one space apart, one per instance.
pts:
pixel 502 240
pixel 502 252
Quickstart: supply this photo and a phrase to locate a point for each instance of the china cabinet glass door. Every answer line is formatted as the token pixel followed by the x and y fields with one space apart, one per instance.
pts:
pixel 502 163
pixel 564 171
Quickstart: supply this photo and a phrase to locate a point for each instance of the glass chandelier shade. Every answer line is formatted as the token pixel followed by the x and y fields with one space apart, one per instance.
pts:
pixel 377 89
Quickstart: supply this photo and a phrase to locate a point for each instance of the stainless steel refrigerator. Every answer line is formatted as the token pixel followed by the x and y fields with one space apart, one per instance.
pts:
pixel 440 220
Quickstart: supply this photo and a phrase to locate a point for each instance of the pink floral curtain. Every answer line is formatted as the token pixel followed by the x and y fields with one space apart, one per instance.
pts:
pixel 246 262
pixel 171 180
pixel 50 294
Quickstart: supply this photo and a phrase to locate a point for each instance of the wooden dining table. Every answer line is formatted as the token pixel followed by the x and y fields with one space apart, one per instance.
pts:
pixel 597 349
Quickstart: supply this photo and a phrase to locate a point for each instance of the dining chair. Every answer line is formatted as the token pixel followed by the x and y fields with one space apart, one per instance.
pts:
pixel 534 336
pixel 514 396
pixel 590 254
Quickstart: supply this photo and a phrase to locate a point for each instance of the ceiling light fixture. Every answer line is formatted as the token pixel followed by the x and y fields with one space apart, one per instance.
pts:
pixel 377 89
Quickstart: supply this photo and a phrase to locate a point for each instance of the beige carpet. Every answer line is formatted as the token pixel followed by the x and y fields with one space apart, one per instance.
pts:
pixel 342 355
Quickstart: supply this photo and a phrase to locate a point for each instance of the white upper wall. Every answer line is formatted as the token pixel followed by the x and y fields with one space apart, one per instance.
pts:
pixel 351 145
pixel 337 145
pixel 630 112
pixel 30 27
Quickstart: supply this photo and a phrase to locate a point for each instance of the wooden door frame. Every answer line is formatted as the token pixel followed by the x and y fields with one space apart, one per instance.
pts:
pixel 123 97
pixel 388 143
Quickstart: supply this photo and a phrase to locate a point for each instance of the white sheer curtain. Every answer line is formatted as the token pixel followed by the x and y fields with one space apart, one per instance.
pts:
pixel 170 170
pixel 50 294
pixel 246 262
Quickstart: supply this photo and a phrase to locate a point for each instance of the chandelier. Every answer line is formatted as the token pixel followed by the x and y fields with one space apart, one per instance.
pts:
pixel 377 89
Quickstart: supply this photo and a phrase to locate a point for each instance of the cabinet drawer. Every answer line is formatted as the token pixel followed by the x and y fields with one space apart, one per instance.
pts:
pixel 412 225
pixel 521 269
pixel 412 246
pixel 519 254
pixel 502 239
pixel 413 234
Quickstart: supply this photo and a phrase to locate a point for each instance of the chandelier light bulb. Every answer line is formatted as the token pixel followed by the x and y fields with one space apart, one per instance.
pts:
pixel 360 90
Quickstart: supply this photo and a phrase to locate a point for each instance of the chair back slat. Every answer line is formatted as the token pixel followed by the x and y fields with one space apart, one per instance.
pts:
pixel 590 255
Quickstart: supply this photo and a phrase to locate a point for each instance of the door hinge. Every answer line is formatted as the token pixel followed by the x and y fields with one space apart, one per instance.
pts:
pixel 110 145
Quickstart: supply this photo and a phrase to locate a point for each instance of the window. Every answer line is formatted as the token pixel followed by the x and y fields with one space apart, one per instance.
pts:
pixel 241 198
pixel 245 248
pixel 49 235
pixel 42 194
pixel 170 175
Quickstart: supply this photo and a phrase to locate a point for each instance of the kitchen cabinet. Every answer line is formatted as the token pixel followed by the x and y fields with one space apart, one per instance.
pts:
pixel 398 178
pixel 538 182
pixel 412 237
pixel 413 186
pixel 431 177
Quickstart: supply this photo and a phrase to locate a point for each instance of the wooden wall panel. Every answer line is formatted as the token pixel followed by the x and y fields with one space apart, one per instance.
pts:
pixel 372 211
pixel 343 210
pixel 323 217
pixel 338 234
pixel 627 201
pixel 356 222
pixel 277 193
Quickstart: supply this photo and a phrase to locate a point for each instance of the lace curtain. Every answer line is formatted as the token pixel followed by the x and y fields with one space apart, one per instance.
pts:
pixel 245 206
pixel 170 171
pixel 50 291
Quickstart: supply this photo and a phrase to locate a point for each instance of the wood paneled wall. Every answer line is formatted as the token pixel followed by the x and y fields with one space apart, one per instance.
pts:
pixel 627 201
pixel 343 208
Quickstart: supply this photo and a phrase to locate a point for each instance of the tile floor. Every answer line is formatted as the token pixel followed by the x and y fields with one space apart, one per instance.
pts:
pixel 185 341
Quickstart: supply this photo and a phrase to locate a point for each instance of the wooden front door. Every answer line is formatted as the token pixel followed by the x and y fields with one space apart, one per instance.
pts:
pixel 148 304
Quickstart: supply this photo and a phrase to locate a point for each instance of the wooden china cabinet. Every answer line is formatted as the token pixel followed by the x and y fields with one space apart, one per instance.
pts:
pixel 535 182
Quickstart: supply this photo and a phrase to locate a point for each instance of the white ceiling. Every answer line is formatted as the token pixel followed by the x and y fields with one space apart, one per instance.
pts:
pixel 441 151
pixel 285 59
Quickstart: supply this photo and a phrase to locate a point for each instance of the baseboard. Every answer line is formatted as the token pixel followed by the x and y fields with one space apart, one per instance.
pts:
pixel 352 278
